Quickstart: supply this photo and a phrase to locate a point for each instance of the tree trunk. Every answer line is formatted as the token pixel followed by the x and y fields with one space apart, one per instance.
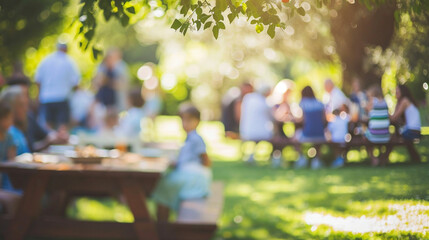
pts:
pixel 355 28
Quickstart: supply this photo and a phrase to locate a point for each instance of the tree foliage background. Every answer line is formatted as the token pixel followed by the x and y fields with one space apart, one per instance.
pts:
pixel 375 40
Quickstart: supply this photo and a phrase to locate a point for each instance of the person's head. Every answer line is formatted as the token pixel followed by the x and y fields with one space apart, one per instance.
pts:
pixel 14 97
pixel 307 92
pixel 403 92
pixel 62 47
pixel 190 116
pixel 246 88
pixel 113 56
pixel 135 98
pixel 329 85
pixel 375 92
pixel 6 117
pixel 356 85
pixel 21 81
pixel 264 90
pixel 111 118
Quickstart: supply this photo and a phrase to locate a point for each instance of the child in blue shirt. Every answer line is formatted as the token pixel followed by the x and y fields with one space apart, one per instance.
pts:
pixel 191 174
pixel 338 129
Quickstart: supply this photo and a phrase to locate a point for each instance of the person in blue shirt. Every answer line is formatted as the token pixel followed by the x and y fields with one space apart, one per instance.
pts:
pixel 313 120
pixel 7 145
pixel 191 174
pixel 14 97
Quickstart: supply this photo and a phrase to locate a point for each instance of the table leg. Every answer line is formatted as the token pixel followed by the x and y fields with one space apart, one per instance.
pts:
pixel 29 207
pixel 144 227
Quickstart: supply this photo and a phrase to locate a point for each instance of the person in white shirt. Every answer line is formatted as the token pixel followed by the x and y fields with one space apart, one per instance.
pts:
pixel 56 77
pixel 335 97
pixel 256 116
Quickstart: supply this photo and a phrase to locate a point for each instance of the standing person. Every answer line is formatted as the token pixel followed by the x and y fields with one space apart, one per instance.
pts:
pixel 407 115
pixel 112 75
pixel 313 120
pixel 378 125
pixel 191 176
pixel 56 77
pixel 335 97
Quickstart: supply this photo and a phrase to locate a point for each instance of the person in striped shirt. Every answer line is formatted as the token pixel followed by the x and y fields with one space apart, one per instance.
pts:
pixel 378 125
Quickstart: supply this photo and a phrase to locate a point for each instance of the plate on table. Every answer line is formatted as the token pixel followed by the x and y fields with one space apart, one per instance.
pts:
pixel 151 152
pixel 87 155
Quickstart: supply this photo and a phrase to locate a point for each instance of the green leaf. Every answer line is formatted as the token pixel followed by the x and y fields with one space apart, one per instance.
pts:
pixel 198 23
pixel 231 17
pixel 199 11
pixel 301 11
pixel 253 21
pixel 207 24
pixel 271 31
pixel 125 20
pixel 176 24
pixel 183 27
pixel 89 35
pixel 215 31
pixel 203 18
pixel 184 10
pixel 259 28
pixel 95 52
pixel 131 10
pixel 107 15
pixel 221 25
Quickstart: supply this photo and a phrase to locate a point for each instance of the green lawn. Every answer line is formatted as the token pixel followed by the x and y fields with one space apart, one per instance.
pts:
pixel 356 202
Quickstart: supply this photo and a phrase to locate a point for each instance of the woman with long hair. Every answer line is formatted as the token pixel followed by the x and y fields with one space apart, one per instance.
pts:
pixel 407 115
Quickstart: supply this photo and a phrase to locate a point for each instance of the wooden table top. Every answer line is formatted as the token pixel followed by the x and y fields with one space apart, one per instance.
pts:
pixel 129 164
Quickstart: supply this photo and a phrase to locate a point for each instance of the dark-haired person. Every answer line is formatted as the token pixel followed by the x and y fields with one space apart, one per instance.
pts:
pixel 407 115
pixel 231 109
pixel 191 176
pixel 313 130
pixel 7 145
pixel 8 199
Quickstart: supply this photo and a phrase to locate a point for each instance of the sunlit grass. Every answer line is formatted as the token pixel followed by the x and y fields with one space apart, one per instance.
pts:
pixel 356 202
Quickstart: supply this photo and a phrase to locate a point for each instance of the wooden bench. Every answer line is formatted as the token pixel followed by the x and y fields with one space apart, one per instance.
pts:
pixel 197 218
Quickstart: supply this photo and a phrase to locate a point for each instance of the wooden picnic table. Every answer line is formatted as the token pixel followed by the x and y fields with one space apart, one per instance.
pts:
pixel 134 181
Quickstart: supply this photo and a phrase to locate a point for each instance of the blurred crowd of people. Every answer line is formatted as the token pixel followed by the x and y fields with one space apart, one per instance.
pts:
pixel 259 115
pixel 113 108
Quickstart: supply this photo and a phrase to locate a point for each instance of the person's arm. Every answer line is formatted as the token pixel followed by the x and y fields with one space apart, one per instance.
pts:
pixel 400 109
pixel 206 160
pixel 11 153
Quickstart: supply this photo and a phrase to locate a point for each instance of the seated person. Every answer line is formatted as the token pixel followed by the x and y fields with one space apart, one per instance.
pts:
pixel 256 117
pixel 313 119
pixel 129 125
pixel 338 129
pixel 191 174
pixel 378 125
pixel 406 109
pixel 7 145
